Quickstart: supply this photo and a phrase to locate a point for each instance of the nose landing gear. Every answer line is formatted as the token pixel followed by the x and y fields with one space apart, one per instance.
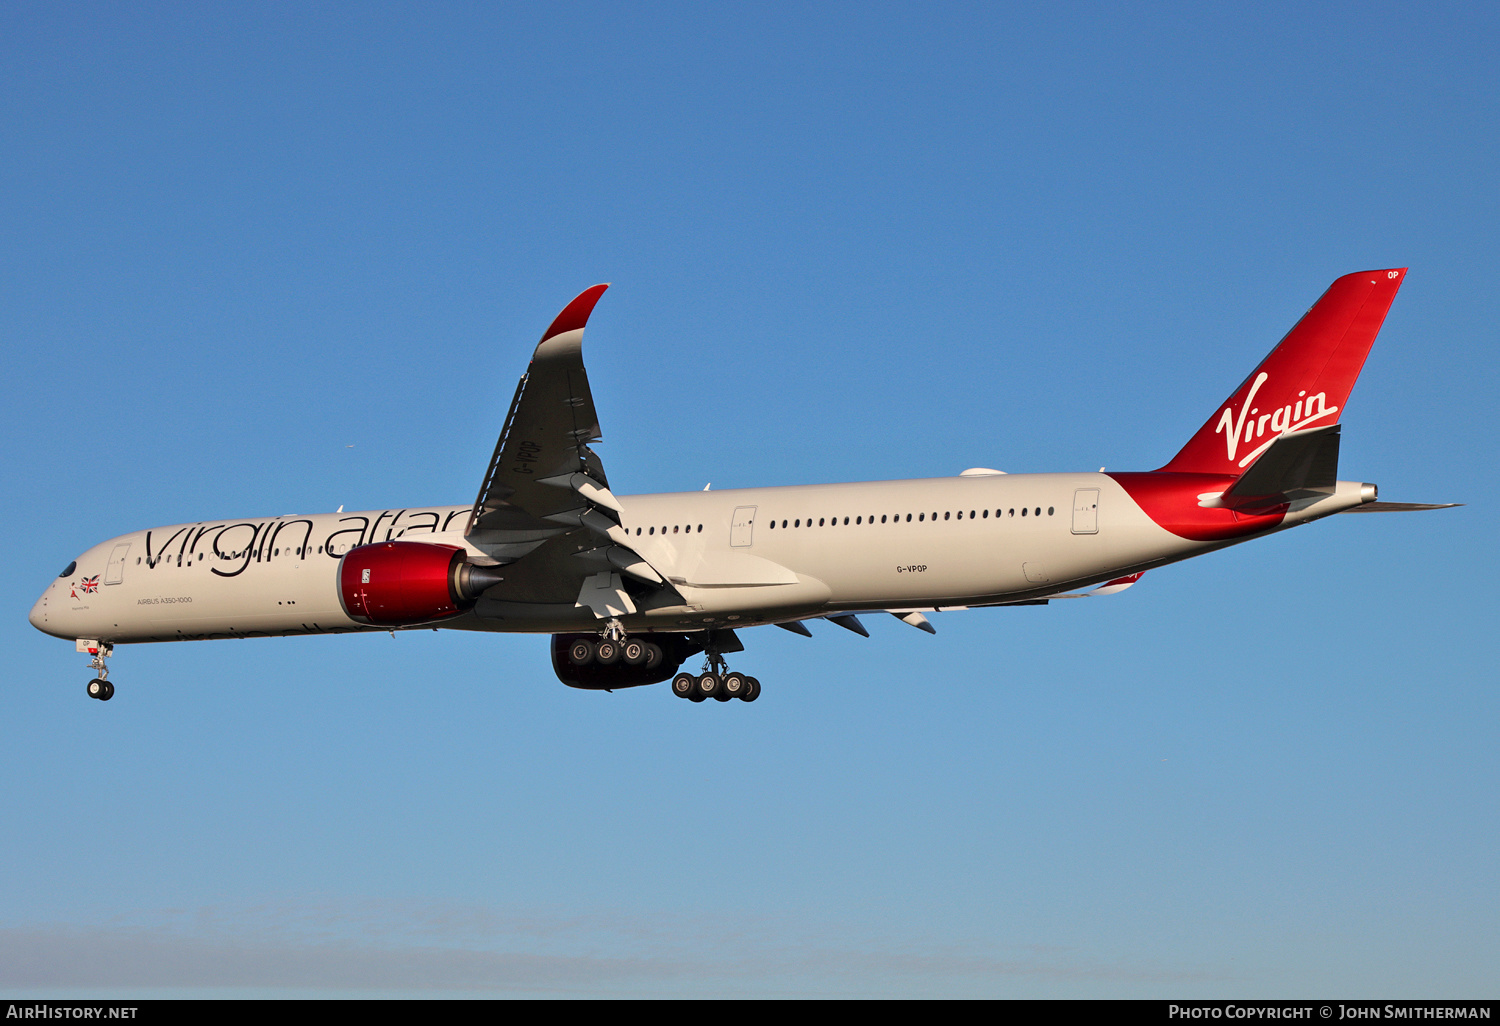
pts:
pixel 100 687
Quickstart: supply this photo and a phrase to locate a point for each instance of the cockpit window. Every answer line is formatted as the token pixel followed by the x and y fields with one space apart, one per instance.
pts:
pixel 68 570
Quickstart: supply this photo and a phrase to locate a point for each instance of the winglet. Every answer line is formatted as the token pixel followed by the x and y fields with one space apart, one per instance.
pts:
pixel 576 314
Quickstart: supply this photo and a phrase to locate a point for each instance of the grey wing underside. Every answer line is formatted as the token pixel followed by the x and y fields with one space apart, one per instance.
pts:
pixel 545 490
pixel 544 442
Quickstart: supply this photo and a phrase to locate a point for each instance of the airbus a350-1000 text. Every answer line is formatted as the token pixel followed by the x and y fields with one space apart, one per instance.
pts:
pixel 631 587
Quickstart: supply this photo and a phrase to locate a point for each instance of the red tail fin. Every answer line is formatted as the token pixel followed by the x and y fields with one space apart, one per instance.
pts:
pixel 1304 383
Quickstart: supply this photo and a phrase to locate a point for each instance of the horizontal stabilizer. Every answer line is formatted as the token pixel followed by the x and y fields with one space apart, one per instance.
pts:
pixel 1399 507
pixel 1297 465
pixel 1113 587
pixel 1117 585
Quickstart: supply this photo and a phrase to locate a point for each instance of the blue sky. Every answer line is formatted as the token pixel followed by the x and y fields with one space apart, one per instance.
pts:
pixel 847 243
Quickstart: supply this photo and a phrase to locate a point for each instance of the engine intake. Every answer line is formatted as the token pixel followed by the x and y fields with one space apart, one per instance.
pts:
pixel 400 583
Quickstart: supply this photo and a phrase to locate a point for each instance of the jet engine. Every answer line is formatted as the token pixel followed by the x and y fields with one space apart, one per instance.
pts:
pixel 401 583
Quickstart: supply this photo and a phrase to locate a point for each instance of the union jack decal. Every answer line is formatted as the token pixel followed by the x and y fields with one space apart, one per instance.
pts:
pixel 89 584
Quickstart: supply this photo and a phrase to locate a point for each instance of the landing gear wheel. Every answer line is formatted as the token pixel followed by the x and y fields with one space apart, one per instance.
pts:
pixel 709 686
pixel 735 685
pixel 99 688
pixel 607 652
pixel 653 655
pixel 109 692
pixel 581 653
pixel 633 652
pixel 683 685
pixel 752 691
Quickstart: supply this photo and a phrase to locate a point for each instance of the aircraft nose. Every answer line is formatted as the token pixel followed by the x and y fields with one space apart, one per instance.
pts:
pixel 45 619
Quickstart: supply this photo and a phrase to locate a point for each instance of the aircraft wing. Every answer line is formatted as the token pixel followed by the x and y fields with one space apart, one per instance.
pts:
pixel 543 475
pixel 544 481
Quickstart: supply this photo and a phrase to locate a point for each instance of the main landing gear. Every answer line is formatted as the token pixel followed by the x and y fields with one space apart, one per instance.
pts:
pixel 716 681
pixel 100 687
pixel 615 647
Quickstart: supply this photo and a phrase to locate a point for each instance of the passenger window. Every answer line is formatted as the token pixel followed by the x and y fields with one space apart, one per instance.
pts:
pixel 1023 511
pixel 1049 510
pixel 653 530
pixel 921 517
pixel 946 516
pixel 820 521
pixel 676 529
pixel 846 521
pixel 882 518
pixel 986 514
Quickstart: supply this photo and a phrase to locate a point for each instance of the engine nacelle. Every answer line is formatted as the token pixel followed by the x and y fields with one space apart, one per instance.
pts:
pixel 400 583
pixel 594 677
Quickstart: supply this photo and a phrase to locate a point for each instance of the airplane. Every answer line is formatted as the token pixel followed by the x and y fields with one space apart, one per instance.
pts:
pixel 631 587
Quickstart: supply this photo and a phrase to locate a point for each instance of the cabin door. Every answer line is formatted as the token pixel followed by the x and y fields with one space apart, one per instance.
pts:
pixel 1086 511
pixel 741 528
pixel 114 573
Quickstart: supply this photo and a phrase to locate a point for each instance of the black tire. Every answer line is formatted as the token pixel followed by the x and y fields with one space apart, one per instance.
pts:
pixel 633 652
pixel 606 653
pixel 109 692
pixel 709 686
pixel 581 652
pixel 752 692
pixel 735 684
pixel 97 688
pixel 684 684
pixel 654 655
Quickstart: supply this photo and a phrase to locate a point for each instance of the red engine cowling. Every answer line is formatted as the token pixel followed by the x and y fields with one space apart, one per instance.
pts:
pixel 397 583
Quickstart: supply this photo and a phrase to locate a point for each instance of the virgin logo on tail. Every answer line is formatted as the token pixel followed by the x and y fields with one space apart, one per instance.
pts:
pixel 1291 417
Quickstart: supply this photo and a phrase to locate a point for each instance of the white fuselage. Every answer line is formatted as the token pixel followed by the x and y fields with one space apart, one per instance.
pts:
pixel 737 557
